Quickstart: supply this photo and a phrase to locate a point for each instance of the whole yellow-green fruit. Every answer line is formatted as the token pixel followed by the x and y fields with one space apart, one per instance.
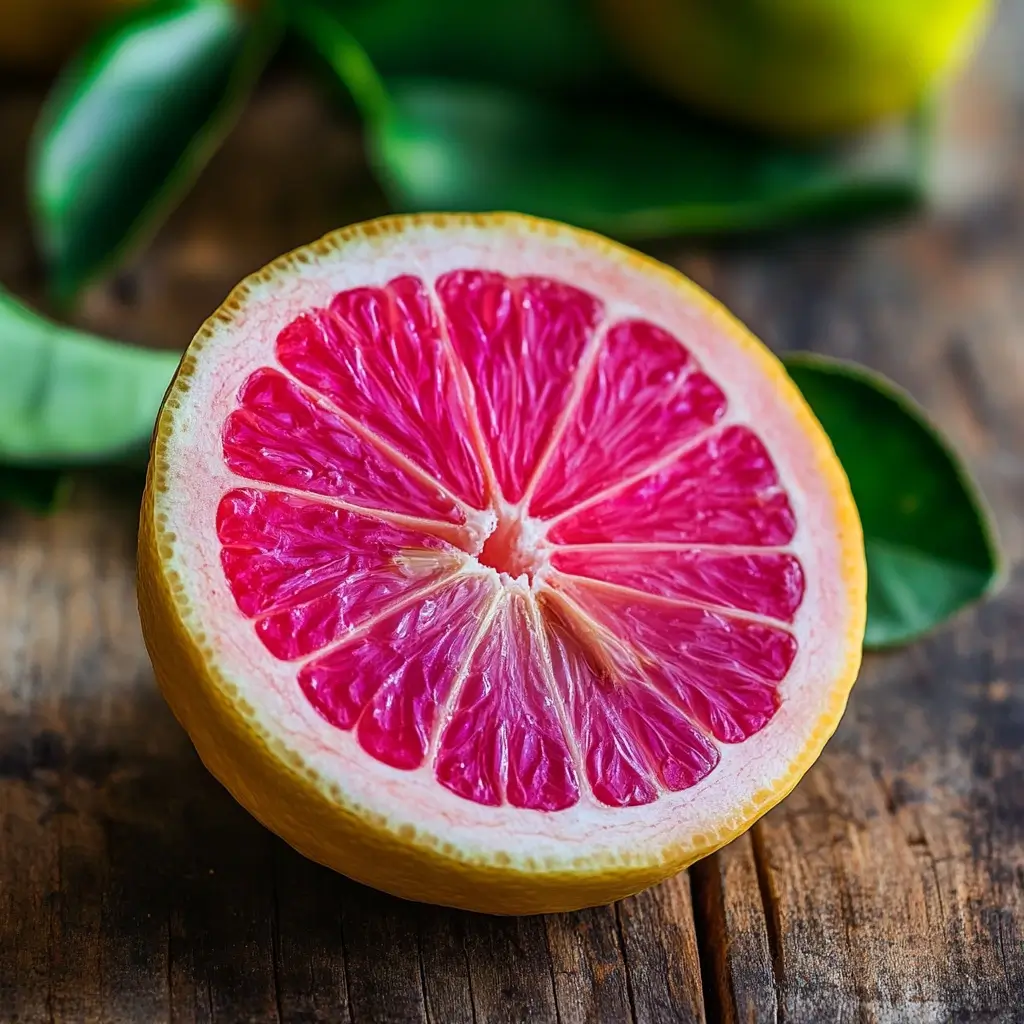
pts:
pixel 36 35
pixel 798 67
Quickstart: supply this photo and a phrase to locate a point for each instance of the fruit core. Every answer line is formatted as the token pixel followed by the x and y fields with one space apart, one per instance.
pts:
pixel 513 548
pixel 512 539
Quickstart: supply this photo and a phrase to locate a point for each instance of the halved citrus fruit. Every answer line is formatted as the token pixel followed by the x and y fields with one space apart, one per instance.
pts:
pixel 494 564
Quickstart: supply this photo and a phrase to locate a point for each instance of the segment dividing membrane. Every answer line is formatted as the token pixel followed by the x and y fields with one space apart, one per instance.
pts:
pixel 510 540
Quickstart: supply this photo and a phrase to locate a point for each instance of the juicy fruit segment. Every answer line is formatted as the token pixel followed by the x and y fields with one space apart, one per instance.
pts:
pixel 504 740
pixel 308 573
pixel 764 582
pixel 280 434
pixel 727 679
pixel 520 341
pixel 377 353
pixel 392 682
pixel 631 739
pixel 510 538
pixel 644 389
pixel 721 490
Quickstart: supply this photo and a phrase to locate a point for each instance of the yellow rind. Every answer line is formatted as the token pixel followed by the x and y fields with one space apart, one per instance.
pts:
pixel 274 783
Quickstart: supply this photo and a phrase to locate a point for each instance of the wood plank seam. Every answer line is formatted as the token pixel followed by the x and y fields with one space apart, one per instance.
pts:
pixel 625 960
pixel 709 927
pixel 771 910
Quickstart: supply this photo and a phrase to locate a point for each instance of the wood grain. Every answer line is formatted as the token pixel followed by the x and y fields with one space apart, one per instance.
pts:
pixel 888 887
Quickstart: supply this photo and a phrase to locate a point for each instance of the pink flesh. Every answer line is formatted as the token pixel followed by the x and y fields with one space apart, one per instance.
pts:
pixel 393 678
pixel 377 354
pixel 723 671
pixel 307 573
pixel 766 582
pixel 504 739
pixel 280 436
pixel 631 739
pixel 644 397
pixel 656 627
pixel 520 341
pixel 724 490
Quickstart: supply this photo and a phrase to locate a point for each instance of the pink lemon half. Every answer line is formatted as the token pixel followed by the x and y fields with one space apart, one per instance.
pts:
pixel 494 564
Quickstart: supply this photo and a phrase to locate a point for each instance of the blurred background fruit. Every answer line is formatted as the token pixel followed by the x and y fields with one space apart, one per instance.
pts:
pixel 796 67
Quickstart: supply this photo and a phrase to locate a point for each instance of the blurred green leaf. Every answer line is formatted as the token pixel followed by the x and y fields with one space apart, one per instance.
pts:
pixel 68 398
pixel 628 166
pixel 931 546
pixel 130 124
pixel 537 44
pixel 630 172
pixel 348 60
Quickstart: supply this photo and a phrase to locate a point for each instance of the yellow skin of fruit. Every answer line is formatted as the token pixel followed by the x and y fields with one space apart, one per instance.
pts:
pixel 801 68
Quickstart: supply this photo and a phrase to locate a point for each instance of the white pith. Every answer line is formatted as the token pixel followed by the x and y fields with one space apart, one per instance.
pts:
pixel 187 507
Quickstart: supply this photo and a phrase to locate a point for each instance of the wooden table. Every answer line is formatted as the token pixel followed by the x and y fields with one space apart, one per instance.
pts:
pixel 888 887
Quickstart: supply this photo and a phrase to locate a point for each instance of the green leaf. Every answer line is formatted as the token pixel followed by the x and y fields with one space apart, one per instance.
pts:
pixel 346 58
pixel 930 542
pixel 628 166
pixel 629 171
pixel 131 123
pixel 68 398
pixel 537 44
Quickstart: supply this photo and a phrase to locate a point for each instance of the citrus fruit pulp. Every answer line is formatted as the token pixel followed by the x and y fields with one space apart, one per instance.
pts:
pixel 493 564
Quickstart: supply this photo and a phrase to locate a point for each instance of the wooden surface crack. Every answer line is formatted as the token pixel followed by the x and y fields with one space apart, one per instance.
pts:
pixel 710 930
pixel 423 981
pixel 769 904
pixel 275 937
pixel 622 951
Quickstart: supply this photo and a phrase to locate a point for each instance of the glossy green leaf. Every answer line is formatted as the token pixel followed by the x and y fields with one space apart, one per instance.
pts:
pixel 930 543
pixel 535 44
pixel 68 398
pixel 628 172
pixel 631 167
pixel 322 30
pixel 130 124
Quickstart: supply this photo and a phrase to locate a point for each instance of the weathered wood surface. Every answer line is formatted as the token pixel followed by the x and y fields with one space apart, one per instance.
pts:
pixel 888 887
